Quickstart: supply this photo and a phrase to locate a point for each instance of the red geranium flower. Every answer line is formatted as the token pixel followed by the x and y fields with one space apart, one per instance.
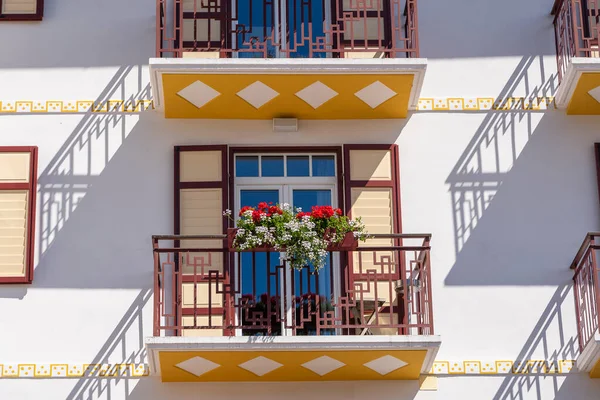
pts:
pixel 275 210
pixel 256 215
pixel 338 211
pixel 262 205
pixel 244 209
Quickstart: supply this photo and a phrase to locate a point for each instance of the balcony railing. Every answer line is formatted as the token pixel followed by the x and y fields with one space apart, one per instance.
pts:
pixel 587 289
pixel 577 28
pixel 203 289
pixel 287 28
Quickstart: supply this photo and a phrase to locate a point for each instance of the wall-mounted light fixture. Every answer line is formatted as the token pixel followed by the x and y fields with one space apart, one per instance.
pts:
pixel 285 125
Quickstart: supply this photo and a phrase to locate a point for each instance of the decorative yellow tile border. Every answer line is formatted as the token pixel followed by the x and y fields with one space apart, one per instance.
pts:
pixel 75 106
pixel 502 367
pixel 424 104
pixel 72 370
pixel 498 367
pixel 485 103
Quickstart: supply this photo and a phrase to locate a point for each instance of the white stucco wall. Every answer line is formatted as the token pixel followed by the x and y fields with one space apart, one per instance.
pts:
pixel 502 287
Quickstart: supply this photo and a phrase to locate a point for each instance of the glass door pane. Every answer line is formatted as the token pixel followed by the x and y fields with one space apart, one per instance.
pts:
pixel 307 284
pixel 305 22
pixel 255 25
pixel 260 278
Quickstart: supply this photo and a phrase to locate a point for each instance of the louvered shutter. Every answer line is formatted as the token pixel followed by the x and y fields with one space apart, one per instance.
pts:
pixel 372 193
pixel 21 9
pixel 18 181
pixel 201 195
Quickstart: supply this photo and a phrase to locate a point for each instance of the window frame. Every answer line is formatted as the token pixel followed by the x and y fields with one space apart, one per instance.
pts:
pixel 38 16
pixel 31 188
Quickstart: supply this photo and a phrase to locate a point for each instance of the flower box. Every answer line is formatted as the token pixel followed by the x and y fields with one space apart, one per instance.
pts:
pixel 305 237
pixel 348 243
pixel 231 232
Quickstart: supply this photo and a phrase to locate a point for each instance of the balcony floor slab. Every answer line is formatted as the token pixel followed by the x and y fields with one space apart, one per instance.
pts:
pixel 579 91
pixel 329 89
pixel 308 358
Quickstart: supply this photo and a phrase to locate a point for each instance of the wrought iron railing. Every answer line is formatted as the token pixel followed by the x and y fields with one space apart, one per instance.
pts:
pixel 576 28
pixel 287 28
pixel 203 289
pixel 587 289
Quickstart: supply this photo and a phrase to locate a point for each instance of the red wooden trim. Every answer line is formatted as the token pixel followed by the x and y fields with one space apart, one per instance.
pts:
pixel 32 208
pixel 17 149
pixel 15 186
pixel 396 187
pixel 203 311
pixel 372 183
pixel 597 153
pixel 189 278
pixel 200 185
pixel 31 188
pixel 202 147
pixel 286 149
pixel 39 14
pixel 176 197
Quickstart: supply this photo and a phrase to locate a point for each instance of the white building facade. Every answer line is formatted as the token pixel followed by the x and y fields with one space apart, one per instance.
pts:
pixel 464 135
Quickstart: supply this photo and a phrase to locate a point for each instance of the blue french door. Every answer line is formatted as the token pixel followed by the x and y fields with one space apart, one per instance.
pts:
pixel 292 25
pixel 260 277
pixel 266 283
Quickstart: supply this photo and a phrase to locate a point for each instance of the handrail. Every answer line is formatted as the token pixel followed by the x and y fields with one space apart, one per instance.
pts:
pixel 215 289
pixel 426 236
pixel 583 249
pixel 556 6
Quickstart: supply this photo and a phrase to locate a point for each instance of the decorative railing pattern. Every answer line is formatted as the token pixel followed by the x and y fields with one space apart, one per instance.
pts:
pixel 577 29
pixel 287 28
pixel 587 289
pixel 201 288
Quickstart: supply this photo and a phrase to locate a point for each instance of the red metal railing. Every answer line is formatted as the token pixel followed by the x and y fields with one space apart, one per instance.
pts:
pixel 287 28
pixel 576 28
pixel 204 289
pixel 587 289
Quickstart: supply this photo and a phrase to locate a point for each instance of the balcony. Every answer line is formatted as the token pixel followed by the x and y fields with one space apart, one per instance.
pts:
pixel 587 303
pixel 245 316
pixel 577 29
pixel 287 28
pixel 310 59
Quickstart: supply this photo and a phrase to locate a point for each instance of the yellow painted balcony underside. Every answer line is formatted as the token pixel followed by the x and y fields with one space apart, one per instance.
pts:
pixel 595 372
pixel 229 105
pixel 582 102
pixel 228 367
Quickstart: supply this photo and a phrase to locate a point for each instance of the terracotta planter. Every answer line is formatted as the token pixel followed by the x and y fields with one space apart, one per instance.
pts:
pixel 231 232
pixel 348 243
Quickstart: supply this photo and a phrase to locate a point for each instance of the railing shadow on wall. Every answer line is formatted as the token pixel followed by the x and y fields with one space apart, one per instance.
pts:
pixel 124 347
pixel 488 229
pixel 504 197
pixel 85 191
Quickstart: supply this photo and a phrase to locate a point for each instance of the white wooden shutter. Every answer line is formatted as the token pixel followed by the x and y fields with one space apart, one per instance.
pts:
pixel 21 9
pixel 18 177
pixel 201 195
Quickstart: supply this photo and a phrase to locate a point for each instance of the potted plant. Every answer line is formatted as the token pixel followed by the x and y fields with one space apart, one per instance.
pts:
pixel 304 237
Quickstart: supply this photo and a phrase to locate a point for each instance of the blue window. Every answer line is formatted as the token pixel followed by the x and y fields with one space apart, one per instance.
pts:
pixel 272 165
pixel 246 166
pixel 323 166
pixel 298 166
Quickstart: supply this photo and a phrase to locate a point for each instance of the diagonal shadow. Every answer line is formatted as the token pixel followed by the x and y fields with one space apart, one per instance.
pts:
pixel 490 210
pixel 124 346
